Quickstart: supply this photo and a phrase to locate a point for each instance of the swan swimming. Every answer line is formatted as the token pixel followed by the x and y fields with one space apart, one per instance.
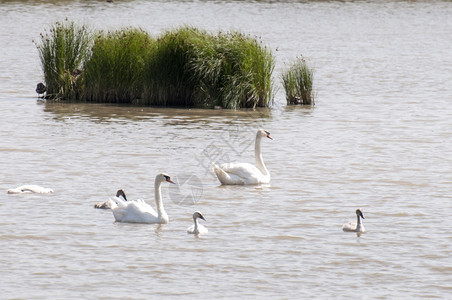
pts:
pixel 197 228
pixel 355 227
pixel 106 205
pixel 139 211
pixel 245 173
pixel 30 189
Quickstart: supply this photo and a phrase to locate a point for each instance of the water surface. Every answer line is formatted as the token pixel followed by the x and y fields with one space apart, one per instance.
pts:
pixel 379 138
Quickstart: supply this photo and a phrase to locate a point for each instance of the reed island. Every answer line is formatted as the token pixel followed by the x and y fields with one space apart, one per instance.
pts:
pixel 182 67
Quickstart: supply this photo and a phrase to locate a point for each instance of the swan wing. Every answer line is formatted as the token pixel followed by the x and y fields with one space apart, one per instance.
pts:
pixel 350 227
pixel 239 173
pixel 136 211
pixel 202 229
pixel 191 229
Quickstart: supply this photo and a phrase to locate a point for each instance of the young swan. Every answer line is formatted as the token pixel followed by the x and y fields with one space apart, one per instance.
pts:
pixel 245 173
pixel 355 227
pixel 106 205
pixel 197 228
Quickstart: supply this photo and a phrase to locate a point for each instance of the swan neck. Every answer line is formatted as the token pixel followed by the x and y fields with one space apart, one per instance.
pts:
pixel 158 197
pixel 196 224
pixel 358 222
pixel 258 156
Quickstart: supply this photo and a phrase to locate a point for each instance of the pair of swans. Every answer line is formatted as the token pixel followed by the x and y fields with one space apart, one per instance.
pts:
pixel 139 211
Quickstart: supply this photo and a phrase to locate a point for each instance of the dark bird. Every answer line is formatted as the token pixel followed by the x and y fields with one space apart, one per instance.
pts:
pixel 41 89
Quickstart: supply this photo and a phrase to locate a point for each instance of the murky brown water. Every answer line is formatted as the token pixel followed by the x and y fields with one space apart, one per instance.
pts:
pixel 379 138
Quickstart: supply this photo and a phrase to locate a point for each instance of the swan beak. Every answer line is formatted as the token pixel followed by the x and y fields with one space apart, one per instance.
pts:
pixel 268 135
pixel 170 181
pixel 202 217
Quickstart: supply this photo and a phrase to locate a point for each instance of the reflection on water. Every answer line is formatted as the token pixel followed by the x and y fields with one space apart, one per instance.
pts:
pixel 379 138
pixel 171 116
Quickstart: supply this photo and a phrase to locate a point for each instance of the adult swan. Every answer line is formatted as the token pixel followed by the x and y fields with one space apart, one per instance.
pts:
pixel 244 173
pixel 139 211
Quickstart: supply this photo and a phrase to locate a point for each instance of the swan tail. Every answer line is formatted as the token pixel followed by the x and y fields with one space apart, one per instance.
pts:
pixel 222 176
pixel 118 208
pixel 226 177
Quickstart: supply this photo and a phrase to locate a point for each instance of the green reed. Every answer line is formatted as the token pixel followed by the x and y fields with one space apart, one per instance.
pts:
pixel 297 82
pixel 166 79
pixel 62 52
pixel 232 71
pixel 114 71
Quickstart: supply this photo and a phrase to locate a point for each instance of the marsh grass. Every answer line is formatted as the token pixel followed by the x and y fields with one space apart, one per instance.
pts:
pixel 114 71
pixel 232 71
pixel 191 67
pixel 167 80
pixel 297 82
pixel 62 52
pixel 184 67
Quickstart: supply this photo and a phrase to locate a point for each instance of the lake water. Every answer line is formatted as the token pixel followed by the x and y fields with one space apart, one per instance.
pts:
pixel 379 138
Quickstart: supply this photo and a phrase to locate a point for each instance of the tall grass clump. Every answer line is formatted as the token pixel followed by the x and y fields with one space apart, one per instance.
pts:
pixel 62 52
pixel 297 82
pixel 191 67
pixel 114 71
pixel 233 71
pixel 167 80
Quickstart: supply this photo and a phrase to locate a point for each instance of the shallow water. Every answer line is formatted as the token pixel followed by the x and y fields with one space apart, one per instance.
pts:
pixel 379 138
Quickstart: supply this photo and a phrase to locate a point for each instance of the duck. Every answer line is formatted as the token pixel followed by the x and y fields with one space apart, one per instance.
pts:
pixel 41 89
pixel 106 205
pixel 197 228
pixel 245 173
pixel 138 211
pixel 30 189
pixel 355 227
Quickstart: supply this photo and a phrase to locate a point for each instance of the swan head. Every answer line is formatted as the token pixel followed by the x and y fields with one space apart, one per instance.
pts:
pixel 359 213
pixel 198 214
pixel 264 133
pixel 164 177
pixel 121 193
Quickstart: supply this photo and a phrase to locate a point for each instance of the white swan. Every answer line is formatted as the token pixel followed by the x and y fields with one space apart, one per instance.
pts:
pixel 244 173
pixel 30 189
pixel 197 228
pixel 355 227
pixel 139 211
pixel 106 205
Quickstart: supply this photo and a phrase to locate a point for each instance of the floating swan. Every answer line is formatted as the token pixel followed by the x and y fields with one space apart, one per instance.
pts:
pixel 106 205
pixel 244 173
pixel 139 211
pixel 197 228
pixel 355 227
pixel 30 189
